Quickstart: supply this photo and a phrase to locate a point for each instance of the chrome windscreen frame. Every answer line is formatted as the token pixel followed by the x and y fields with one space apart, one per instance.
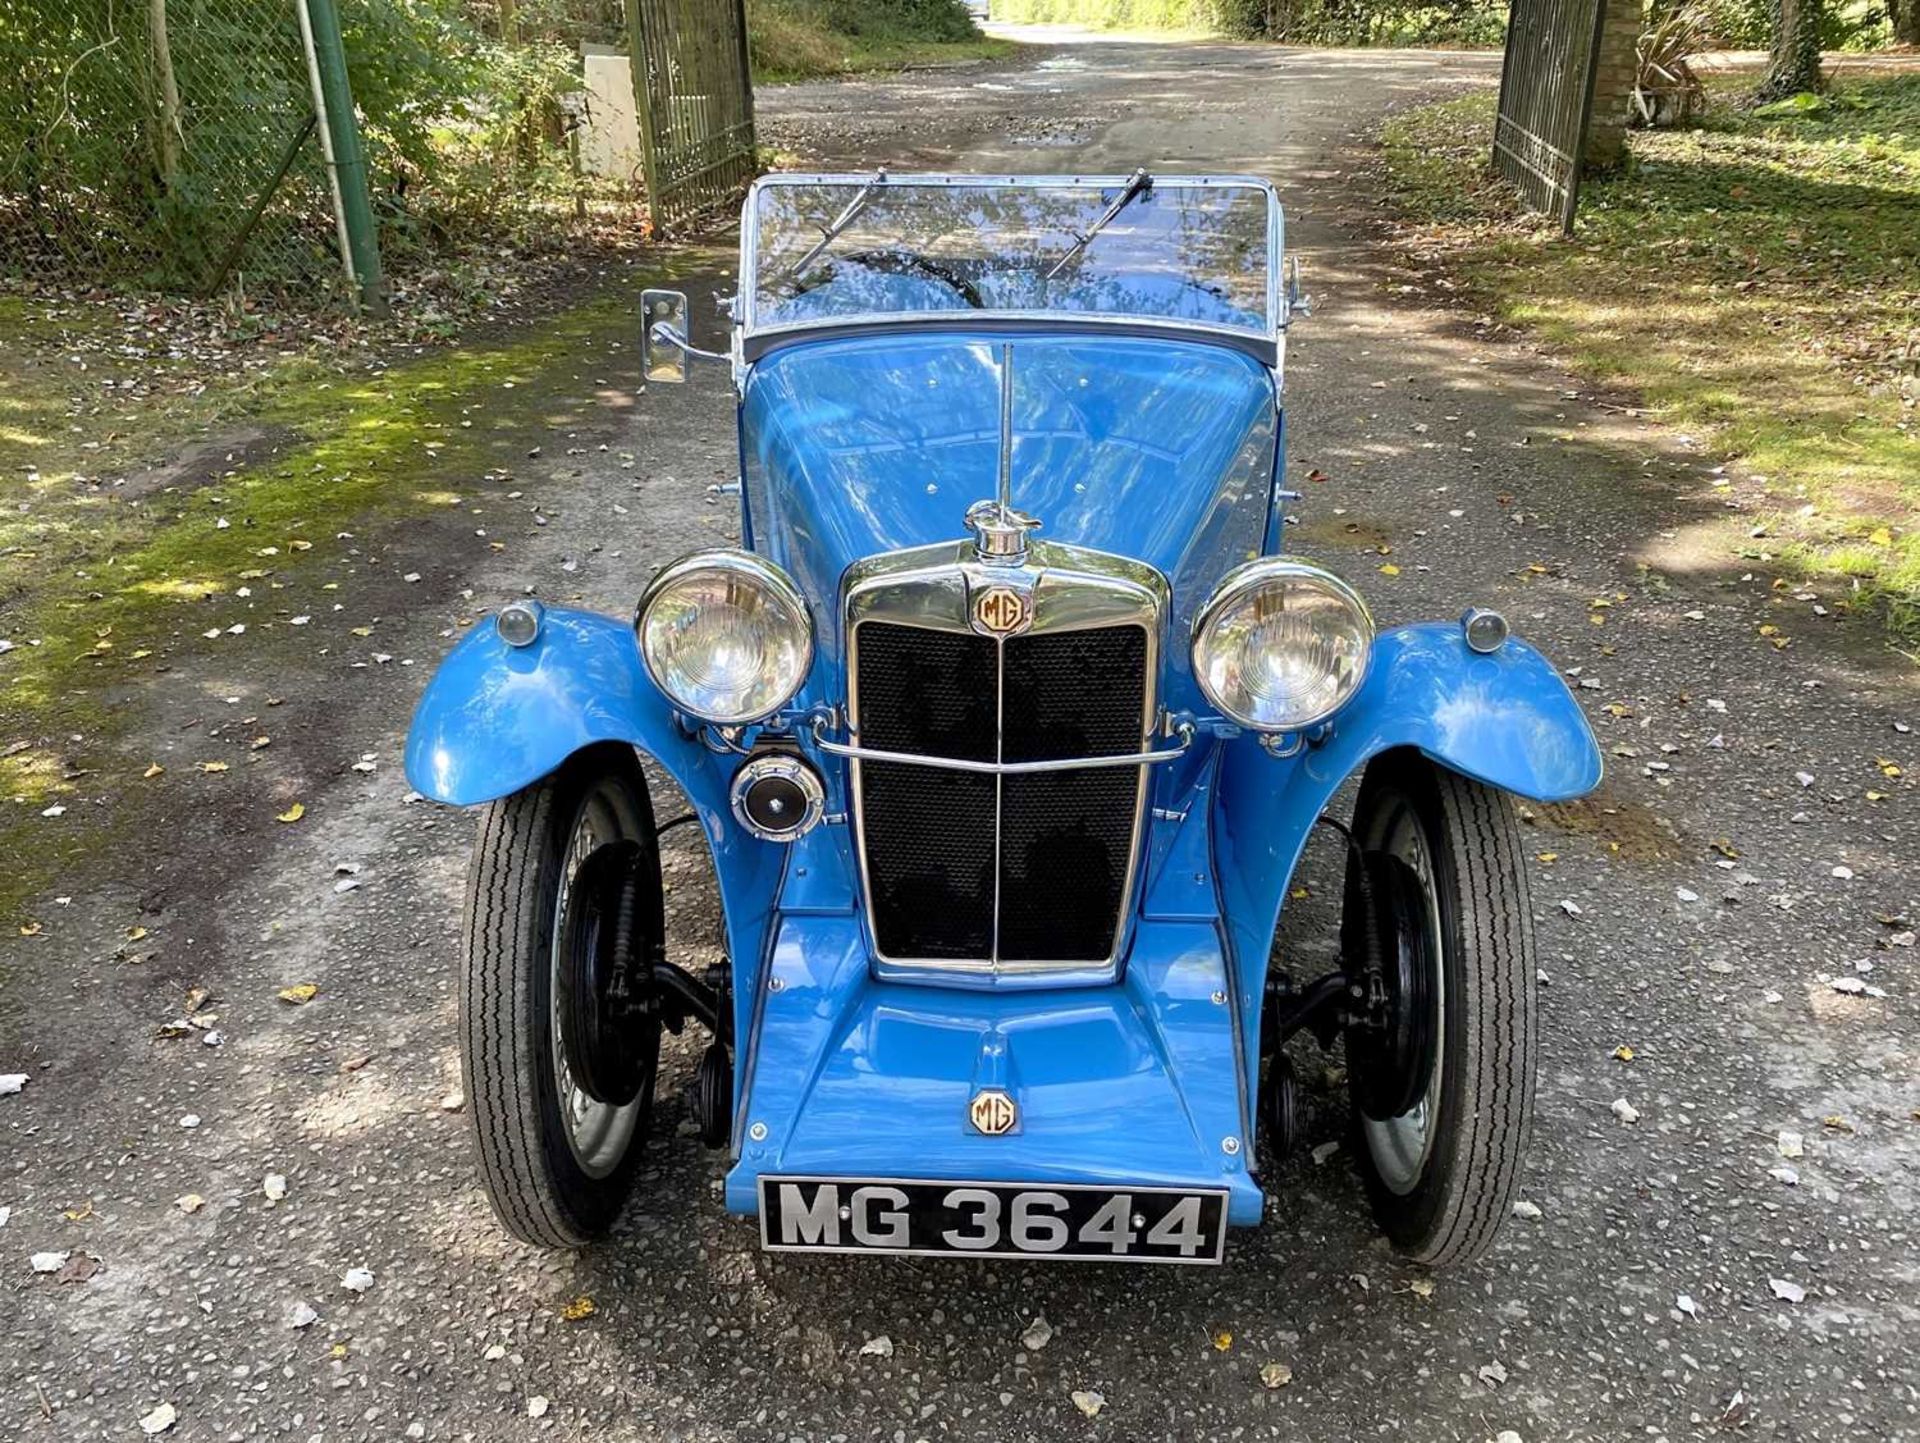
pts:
pixel 752 337
pixel 1069 588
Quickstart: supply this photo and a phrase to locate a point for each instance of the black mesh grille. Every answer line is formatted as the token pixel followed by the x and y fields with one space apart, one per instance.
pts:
pixel 1065 838
pixel 929 833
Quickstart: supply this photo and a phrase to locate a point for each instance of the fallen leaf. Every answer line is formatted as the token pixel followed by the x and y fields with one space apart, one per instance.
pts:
pixel 1389 569
pixel 880 1347
pixel 50 1262
pixel 1836 1123
pixel 357 1280
pixel 1090 1402
pixel 299 994
pixel 275 1187
pixel 1686 1304
pixel 1623 1052
pixel 216 766
pixel 1223 1341
pixel 189 1202
pixel 153 771
pixel 1276 1375
pixel 1524 1209
pixel 537 1406
pixel 1038 1333
pixel 1493 1374
pixel 1625 1110
pixel 1787 1291
pixel 1790 1145
pixel 302 1315
pixel 1421 1287
pixel 293 813
pixel 159 1420
pixel 579 1309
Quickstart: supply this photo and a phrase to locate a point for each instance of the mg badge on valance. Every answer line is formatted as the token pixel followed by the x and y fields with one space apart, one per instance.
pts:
pixel 1000 610
pixel 993 1113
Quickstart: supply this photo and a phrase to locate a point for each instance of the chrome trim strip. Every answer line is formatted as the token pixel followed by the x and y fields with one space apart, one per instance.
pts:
pixel 768 339
pixel 1071 589
pixel 1004 769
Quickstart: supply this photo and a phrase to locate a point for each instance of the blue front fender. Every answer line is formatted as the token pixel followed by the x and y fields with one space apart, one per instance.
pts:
pixel 496 718
pixel 1505 719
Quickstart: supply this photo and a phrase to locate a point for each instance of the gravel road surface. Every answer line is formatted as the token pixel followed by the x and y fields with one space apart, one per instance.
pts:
pixel 1726 939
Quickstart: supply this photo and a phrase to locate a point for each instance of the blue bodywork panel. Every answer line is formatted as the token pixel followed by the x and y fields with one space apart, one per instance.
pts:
pixel 1142 448
pixel 1158 451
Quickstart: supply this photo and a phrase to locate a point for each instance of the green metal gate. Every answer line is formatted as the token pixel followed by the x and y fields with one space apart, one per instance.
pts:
pixel 1546 100
pixel 693 96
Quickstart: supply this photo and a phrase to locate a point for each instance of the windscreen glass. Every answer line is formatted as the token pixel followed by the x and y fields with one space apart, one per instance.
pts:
pixel 1172 251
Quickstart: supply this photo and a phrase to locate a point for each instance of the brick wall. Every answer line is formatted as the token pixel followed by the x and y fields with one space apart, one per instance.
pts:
pixel 1612 84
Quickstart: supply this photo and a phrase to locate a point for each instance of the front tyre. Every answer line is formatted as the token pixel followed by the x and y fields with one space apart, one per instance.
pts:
pixel 1442 1085
pixel 559 1078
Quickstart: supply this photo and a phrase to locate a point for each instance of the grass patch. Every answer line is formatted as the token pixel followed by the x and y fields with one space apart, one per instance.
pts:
pixel 791 40
pixel 1756 280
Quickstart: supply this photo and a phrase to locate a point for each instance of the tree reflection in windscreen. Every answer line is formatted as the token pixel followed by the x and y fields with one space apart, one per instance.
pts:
pixel 1179 252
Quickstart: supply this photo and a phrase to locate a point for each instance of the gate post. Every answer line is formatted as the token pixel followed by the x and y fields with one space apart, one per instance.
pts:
pixel 340 140
pixel 1613 78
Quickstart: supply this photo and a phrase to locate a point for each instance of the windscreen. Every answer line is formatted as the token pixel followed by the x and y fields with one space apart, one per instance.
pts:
pixel 841 249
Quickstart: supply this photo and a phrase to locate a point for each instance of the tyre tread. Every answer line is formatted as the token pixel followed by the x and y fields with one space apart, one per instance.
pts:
pixel 1457 1209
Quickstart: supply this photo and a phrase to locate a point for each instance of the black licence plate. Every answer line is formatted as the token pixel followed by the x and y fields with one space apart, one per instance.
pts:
pixel 993 1220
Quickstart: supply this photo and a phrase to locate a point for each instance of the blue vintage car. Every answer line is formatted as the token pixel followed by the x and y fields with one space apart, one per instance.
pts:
pixel 1006 727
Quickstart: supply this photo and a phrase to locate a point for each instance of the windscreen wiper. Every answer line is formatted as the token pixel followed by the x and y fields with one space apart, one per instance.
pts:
pixel 1138 184
pixel 831 231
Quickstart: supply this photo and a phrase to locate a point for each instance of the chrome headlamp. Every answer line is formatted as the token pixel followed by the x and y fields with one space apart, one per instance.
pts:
pixel 726 635
pixel 1281 645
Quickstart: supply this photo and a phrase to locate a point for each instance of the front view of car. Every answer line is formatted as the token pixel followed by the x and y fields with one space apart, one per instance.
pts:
pixel 1006 727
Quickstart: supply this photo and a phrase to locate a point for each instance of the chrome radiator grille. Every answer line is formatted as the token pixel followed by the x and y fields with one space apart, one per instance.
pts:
pixel 992 873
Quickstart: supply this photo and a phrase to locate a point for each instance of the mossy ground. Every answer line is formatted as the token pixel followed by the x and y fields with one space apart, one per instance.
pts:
pixel 1755 279
pixel 107 585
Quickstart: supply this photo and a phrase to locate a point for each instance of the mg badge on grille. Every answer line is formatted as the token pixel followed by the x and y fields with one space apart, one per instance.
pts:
pixel 992 1112
pixel 1000 610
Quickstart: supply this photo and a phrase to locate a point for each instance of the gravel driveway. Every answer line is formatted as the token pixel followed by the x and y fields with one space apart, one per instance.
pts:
pixel 1726 937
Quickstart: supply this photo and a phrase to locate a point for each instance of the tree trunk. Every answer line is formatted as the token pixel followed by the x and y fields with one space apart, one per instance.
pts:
pixel 1795 66
pixel 1905 15
pixel 172 134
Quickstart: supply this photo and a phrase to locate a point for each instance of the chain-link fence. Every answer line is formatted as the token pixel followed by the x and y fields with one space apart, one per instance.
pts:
pixel 142 142
pixel 171 143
